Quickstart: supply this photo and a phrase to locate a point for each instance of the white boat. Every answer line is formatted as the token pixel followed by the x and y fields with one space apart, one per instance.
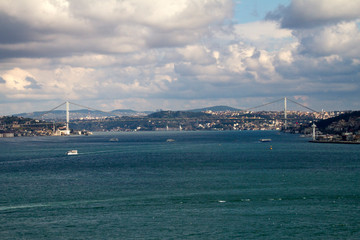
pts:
pixel 72 152
pixel 265 140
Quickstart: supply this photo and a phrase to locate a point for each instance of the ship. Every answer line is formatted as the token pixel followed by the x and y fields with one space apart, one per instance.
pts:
pixel 265 140
pixel 72 152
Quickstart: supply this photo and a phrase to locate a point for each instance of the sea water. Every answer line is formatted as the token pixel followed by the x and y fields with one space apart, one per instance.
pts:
pixel 202 185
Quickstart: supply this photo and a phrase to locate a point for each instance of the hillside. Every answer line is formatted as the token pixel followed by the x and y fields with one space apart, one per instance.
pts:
pixel 85 113
pixel 11 120
pixel 20 126
pixel 77 114
pixel 347 122
pixel 178 114
pixel 215 109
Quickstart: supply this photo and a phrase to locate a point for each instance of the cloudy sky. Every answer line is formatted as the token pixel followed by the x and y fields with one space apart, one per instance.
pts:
pixel 178 54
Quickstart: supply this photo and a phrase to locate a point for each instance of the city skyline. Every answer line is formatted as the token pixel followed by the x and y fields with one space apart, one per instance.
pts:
pixel 178 55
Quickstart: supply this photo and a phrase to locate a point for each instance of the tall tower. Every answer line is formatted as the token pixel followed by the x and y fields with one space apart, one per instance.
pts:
pixel 285 113
pixel 67 118
pixel 314 132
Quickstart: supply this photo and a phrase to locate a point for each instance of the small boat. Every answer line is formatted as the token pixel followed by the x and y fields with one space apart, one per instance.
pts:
pixel 72 152
pixel 114 140
pixel 170 140
pixel 265 140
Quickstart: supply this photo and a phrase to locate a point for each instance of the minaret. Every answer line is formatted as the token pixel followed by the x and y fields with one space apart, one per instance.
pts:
pixel 67 118
pixel 285 114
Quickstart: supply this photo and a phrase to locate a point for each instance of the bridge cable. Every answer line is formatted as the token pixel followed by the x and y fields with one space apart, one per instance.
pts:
pixel 52 109
pixel 302 105
pixel 89 108
pixel 264 104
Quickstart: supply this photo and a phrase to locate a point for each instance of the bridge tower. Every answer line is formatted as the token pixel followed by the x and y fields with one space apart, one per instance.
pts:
pixel 314 132
pixel 67 118
pixel 285 113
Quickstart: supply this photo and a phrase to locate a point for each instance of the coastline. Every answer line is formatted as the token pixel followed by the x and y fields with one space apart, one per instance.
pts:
pixel 337 142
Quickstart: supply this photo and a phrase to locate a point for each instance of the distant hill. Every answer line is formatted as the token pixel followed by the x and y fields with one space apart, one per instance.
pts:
pixel 345 122
pixel 215 109
pixel 178 114
pixel 82 113
pixel 124 111
pixel 85 113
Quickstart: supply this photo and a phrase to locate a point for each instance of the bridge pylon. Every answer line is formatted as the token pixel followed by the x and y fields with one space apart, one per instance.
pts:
pixel 67 118
pixel 285 113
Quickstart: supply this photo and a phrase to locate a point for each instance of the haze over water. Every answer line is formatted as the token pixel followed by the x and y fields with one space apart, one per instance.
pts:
pixel 203 185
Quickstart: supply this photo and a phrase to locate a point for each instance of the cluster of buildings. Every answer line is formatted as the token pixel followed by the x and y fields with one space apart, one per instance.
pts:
pixel 347 137
pixel 342 131
pixel 278 114
pixel 18 126
pixel 21 132
pixel 293 121
pixel 24 127
pixel 227 120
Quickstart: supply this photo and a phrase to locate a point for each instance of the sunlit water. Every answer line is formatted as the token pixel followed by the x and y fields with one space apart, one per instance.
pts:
pixel 203 185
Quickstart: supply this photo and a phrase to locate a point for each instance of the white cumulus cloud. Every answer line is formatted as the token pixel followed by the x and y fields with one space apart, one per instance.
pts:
pixel 176 54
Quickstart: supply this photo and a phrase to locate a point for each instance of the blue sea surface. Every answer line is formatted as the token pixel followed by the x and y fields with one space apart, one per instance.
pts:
pixel 202 185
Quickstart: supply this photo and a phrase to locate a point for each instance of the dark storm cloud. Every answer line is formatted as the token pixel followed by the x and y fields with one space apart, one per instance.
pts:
pixel 69 28
pixel 33 83
pixel 309 13
pixel 32 53
pixel 168 53
pixel 291 19
pixel 14 31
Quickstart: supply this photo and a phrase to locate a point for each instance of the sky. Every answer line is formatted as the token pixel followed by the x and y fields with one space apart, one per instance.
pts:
pixel 178 54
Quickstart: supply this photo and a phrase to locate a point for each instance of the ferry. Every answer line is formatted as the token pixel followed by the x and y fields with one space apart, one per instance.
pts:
pixel 265 140
pixel 72 152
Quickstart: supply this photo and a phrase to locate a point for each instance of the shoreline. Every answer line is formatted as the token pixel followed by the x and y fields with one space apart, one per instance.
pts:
pixel 338 142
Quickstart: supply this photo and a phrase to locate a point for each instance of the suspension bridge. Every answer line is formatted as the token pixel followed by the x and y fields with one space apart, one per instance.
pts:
pixel 67 104
pixel 246 117
pixel 285 100
pixel 282 114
